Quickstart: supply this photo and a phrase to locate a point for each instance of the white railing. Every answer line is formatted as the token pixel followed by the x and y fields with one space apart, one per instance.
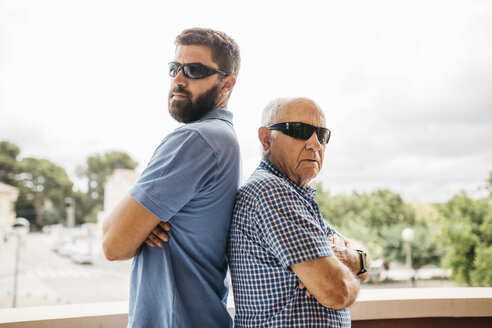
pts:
pixel 373 304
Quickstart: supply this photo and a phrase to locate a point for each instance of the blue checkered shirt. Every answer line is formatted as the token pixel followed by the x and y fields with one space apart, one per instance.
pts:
pixel 277 223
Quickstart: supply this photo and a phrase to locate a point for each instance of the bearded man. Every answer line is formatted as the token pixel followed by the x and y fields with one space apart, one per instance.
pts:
pixel 189 185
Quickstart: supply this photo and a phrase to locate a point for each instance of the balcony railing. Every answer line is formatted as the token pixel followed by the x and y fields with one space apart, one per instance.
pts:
pixel 404 307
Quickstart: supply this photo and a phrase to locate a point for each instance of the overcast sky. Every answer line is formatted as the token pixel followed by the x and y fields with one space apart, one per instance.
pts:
pixel 406 86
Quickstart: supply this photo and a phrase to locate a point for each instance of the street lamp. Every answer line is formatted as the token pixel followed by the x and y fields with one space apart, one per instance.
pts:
pixel 70 207
pixel 20 229
pixel 407 234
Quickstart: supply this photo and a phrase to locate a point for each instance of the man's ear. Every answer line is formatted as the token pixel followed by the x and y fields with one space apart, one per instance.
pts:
pixel 227 84
pixel 264 136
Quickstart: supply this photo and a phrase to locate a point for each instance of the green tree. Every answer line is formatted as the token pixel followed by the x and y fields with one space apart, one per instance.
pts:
pixel 378 209
pixel 385 208
pixel 425 248
pixel 83 205
pixel 467 234
pixel 8 162
pixel 377 220
pixel 96 172
pixel 43 185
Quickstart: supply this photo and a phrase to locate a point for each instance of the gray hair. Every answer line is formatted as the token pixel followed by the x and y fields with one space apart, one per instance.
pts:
pixel 274 109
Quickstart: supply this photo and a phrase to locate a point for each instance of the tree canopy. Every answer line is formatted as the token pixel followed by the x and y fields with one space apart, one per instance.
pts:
pixel 8 162
pixel 40 181
pixel 467 235
pixel 44 187
pixel 97 170
pixel 377 219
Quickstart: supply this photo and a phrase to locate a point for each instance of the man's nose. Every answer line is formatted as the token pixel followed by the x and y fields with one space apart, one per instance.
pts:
pixel 180 79
pixel 313 143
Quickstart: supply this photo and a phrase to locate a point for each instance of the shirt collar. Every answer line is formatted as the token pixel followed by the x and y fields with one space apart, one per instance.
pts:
pixel 221 114
pixel 307 192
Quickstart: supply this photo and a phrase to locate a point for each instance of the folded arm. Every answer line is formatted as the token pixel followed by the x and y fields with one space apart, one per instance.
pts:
pixel 331 282
pixel 346 251
pixel 126 228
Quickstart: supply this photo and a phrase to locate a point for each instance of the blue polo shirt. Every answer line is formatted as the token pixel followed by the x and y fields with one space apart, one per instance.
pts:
pixel 190 182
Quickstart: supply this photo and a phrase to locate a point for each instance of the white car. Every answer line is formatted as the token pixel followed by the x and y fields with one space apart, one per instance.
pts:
pixel 82 252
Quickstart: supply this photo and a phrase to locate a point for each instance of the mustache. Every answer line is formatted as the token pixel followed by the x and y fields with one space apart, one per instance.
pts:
pixel 180 89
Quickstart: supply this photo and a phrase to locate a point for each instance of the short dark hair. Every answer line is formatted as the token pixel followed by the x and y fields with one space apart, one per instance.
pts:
pixel 225 51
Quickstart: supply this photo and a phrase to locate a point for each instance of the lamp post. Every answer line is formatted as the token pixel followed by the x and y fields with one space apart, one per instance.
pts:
pixel 407 235
pixel 70 207
pixel 20 229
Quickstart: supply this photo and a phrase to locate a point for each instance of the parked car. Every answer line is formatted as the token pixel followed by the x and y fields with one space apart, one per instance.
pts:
pixel 82 252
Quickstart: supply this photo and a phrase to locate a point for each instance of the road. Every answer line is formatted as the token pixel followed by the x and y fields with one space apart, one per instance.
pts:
pixel 45 277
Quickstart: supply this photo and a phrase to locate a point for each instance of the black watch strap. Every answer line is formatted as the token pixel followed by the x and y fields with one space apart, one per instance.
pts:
pixel 363 261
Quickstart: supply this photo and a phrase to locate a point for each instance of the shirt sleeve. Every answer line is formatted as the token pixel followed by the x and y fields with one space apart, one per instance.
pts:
pixel 289 229
pixel 182 165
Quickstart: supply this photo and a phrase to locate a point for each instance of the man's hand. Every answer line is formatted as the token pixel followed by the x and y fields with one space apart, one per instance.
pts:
pixel 301 286
pixel 337 240
pixel 158 234
pixel 346 255
pixel 345 251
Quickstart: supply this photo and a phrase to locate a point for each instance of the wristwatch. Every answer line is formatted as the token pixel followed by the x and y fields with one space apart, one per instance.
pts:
pixel 363 261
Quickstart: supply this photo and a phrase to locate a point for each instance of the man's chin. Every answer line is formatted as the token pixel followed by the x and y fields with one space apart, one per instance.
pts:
pixel 309 173
pixel 177 104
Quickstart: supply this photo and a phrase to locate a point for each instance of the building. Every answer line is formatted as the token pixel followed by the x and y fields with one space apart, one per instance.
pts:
pixel 117 186
pixel 8 197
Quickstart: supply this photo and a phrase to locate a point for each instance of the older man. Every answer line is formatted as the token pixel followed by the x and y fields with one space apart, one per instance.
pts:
pixel 289 268
pixel 189 185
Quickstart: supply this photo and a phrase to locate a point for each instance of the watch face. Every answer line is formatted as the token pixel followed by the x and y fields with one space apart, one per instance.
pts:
pixel 363 261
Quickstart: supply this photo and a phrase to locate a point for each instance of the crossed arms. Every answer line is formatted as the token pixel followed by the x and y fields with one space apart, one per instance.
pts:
pixel 332 280
pixel 127 227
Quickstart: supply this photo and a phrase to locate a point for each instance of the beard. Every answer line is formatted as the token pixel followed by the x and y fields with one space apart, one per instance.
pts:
pixel 186 111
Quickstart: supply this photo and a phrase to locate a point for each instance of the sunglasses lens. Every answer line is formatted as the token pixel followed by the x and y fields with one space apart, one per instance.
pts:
pixel 300 130
pixel 305 131
pixel 196 71
pixel 173 69
pixel 323 135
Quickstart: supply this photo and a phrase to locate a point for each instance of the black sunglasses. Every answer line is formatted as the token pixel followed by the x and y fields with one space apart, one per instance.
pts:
pixel 302 131
pixel 194 71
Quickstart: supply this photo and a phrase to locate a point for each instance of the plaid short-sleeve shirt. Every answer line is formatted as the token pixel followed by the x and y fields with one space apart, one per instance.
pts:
pixel 276 223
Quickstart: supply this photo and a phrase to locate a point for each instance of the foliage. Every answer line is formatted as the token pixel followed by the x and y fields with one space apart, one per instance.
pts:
pixel 40 181
pixel 84 212
pixel 377 209
pixel 467 234
pixel 44 186
pixel 425 248
pixel 377 219
pixel 51 216
pixel 8 162
pixel 481 275
pixel 96 172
